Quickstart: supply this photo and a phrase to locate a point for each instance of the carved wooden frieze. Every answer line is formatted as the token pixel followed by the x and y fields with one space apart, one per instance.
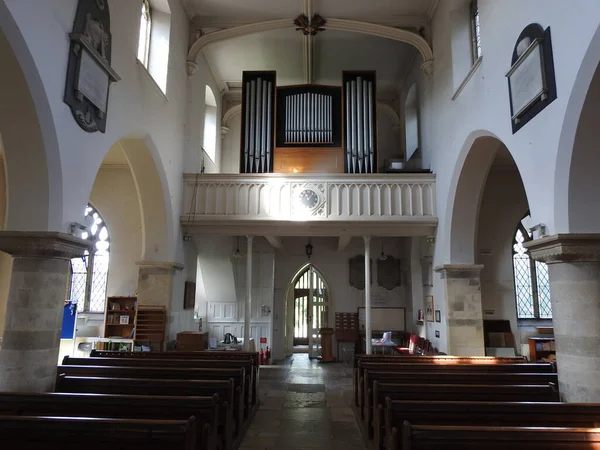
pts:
pixel 389 273
pixel 357 271
pixel 89 73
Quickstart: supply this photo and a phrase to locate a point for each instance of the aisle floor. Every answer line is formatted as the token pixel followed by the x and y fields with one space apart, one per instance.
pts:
pixel 304 405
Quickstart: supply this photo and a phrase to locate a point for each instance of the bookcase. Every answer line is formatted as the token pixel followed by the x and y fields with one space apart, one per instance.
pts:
pixel 126 320
pixel 542 349
pixel 120 317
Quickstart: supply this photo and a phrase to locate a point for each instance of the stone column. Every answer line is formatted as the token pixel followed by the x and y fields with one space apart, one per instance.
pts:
pixel 464 311
pixel 155 287
pixel 574 269
pixel 368 334
pixel 38 289
pixel 248 302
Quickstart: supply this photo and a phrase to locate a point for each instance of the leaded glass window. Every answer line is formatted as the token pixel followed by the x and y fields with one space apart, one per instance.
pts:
pixel 475 31
pixel 89 273
pixel 145 32
pixel 532 284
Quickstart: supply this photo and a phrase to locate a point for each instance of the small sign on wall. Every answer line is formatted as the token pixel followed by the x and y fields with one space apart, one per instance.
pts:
pixel 263 340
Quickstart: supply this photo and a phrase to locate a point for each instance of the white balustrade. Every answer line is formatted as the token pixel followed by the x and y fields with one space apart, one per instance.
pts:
pixel 276 197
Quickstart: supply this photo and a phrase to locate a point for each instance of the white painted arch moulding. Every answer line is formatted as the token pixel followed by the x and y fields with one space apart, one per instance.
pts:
pixel 353 26
pixel 231 112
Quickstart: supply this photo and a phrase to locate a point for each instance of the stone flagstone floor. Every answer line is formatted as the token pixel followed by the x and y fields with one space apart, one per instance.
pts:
pixel 304 405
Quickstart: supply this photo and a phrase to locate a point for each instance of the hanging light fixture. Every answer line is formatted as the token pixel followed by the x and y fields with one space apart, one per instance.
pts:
pixel 383 256
pixel 309 249
pixel 237 254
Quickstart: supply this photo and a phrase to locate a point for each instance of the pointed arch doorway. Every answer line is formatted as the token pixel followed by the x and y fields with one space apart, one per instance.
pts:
pixel 307 311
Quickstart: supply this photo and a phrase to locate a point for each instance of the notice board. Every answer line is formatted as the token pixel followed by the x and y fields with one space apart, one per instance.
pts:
pixel 384 318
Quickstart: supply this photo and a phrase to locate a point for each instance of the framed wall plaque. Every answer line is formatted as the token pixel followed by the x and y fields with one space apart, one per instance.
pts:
pixel 531 81
pixel 429 308
pixel 89 73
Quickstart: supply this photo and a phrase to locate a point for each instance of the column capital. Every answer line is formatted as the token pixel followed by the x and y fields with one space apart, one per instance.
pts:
pixel 43 244
pixel 459 270
pixel 367 238
pixel 568 247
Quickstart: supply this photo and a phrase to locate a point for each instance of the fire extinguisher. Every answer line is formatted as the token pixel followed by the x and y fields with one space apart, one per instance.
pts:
pixel 267 355
pixel 261 357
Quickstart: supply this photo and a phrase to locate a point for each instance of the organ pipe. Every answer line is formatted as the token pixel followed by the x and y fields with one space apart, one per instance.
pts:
pixel 308 118
pixel 359 116
pixel 257 145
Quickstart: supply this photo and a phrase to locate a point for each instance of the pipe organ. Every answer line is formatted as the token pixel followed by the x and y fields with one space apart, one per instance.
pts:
pixel 308 128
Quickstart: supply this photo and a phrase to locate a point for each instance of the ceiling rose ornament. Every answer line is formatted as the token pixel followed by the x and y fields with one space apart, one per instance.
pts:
pixel 309 27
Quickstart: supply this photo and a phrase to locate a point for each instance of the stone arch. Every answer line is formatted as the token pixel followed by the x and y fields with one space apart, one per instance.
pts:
pixel 354 26
pixel 158 230
pixel 230 114
pixel 465 193
pixel 576 185
pixel 36 189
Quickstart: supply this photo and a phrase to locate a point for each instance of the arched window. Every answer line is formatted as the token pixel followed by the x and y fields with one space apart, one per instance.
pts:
pixel 145 33
pixel 475 31
pixel 210 124
pixel 89 274
pixel 532 285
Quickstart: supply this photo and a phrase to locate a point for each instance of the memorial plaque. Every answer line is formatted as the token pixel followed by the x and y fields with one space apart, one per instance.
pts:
pixel 89 73
pixel 526 79
pixel 531 79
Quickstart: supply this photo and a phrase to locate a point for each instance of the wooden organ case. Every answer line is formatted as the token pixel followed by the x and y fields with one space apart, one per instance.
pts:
pixel 309 128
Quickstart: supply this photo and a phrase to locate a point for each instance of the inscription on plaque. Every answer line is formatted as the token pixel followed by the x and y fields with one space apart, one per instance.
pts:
pixel 92 81
pixel 527 79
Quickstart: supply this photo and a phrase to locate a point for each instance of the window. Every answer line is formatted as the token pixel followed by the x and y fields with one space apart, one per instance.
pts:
pixel 210 124
pixel 475 31
pixel 145 33
pixel 89 274
pixel 532 284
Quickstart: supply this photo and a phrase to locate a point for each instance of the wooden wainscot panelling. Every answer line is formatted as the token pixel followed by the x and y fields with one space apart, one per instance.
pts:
pixel 309 160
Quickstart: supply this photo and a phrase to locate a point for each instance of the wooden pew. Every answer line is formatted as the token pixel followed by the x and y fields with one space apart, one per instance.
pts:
pixel 76 433
pixel 437 359
pixel 167 373
pixel 530 414
pixel 449 368
pixel 232 423
pixel 204 409
pixel 213 365
pixel 454 392
pixel 218 355
pixel 426 437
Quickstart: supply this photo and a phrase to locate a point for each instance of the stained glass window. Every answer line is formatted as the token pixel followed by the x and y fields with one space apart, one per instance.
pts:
pixel 475 31
pixel 532 284
pixel 89 273
pixel 145 31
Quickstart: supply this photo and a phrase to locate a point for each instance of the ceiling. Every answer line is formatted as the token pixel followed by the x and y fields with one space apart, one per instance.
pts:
pixel 333 51
pixel 257 10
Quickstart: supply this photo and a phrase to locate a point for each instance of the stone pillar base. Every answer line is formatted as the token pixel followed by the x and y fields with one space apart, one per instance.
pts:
pixel 34 310
pixel 574 269
pixel 464 311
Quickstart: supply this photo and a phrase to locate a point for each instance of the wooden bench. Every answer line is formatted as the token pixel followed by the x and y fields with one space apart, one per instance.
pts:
pixel 426 437
pixel 76 433
pixel 231 418
pixel 216 355
pixel 166 373
pixel 530 414
pixel 454 392
pixel 212 366
pixel 437 359
pixel 432 377
pixel 437 367
pixel 204 409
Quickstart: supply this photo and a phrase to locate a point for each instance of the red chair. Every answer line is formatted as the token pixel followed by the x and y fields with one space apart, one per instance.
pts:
pixel 412 346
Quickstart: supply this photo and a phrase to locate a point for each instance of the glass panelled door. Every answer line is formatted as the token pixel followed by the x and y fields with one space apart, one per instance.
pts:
pixel 310 310
pixel 317 307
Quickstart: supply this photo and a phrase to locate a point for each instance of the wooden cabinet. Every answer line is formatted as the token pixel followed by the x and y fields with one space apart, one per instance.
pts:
pixel 542 349
pixel 189 341
pixel 120 317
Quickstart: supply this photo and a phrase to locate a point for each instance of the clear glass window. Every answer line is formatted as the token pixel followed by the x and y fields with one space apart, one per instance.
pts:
pixel 145 31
